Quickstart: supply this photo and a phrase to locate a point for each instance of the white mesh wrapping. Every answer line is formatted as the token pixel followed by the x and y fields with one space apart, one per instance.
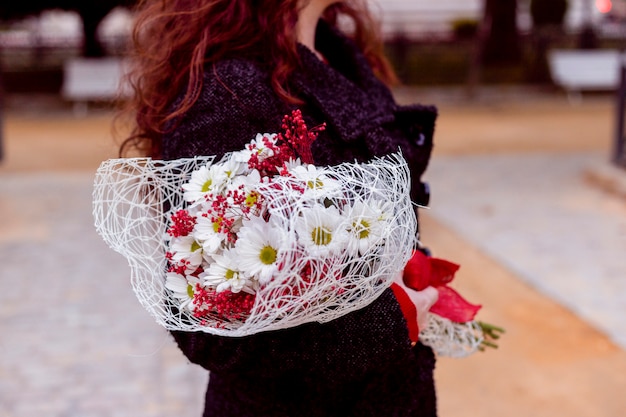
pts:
pixel 134 198
pixel 451 339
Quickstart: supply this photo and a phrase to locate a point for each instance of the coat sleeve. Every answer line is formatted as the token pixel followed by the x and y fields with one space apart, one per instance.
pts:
pixel 347 348
pixel 234 105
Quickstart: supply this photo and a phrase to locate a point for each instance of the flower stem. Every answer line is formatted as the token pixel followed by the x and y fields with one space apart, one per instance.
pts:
pixel 491 333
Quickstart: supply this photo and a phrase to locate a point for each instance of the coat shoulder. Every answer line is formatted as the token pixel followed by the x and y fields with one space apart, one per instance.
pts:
pixel 235 103
pixel 238 78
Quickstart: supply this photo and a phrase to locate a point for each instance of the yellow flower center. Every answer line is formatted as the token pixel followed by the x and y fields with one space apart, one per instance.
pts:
pixel 207 185
pixel 251 199
pixel 195 246
pixel 362 227
pixel 189 291
pixel 318 183
pixel 230 274
pixel 268 255
pixel 321 236
pixel 216 224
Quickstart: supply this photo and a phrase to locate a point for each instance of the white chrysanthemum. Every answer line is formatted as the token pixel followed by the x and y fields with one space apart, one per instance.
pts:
pixel 259 246
pixel 224 274
pixel 258 146
pixel 316 181
pixel 249 180
pixel 182 289
pixel 246 184
pixel 203 181
pixel 322 231
pixel 186 249
pixel 234 168
pixel 366 225
pixel 207 232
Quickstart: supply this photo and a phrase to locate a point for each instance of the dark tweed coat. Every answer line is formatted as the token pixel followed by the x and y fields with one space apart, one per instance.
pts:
pixel 361 364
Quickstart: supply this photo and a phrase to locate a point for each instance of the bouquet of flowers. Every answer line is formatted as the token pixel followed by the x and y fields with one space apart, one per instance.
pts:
pixel 261 239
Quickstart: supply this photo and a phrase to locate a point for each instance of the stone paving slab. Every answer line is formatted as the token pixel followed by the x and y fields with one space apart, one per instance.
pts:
pixel 536 215
pixel 75 341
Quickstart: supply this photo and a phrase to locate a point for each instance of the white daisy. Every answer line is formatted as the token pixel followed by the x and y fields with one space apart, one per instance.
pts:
pixel 187 249
pixel 317 182
pixel 205 180
pixel 259 246
pixel 182 289
pixel 366 226
pixel 257 145
pixel 233 168
pixel 322 231
pixel 225 274
pixel 245 183
pixel 207 233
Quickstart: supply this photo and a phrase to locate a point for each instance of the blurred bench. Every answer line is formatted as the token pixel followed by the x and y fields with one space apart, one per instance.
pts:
pixel 93 79
pixel 585 70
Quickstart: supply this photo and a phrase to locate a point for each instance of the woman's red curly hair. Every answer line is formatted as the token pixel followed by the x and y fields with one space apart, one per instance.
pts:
pixel 175 40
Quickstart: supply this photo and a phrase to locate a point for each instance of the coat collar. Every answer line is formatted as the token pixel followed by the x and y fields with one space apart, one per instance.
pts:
pixel 346 91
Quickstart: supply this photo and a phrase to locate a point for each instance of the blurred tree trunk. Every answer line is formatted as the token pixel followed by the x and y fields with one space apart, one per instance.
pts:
pixel 497 42
pixel 502 44
pixel 547 17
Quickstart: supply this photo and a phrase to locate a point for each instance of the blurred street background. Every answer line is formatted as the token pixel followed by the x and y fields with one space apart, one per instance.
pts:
pixel 528 194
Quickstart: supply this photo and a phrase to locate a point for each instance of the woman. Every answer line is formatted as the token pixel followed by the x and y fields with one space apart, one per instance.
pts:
pixel 210 75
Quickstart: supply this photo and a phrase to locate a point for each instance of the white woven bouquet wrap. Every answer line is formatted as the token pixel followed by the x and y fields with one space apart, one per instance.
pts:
pixel 308 245
pixel 450 339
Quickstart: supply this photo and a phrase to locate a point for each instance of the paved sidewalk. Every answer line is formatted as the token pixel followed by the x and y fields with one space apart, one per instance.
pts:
pixel 76 343
pixel 538 216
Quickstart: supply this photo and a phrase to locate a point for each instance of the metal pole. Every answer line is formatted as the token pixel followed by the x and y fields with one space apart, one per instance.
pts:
pixel 618 146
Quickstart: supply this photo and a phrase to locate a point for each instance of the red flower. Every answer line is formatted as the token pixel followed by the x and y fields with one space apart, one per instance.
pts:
pixel 182 224
pixel 422 271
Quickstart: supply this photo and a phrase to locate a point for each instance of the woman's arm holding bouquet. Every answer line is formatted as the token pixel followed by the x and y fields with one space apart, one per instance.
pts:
pixel 226 109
